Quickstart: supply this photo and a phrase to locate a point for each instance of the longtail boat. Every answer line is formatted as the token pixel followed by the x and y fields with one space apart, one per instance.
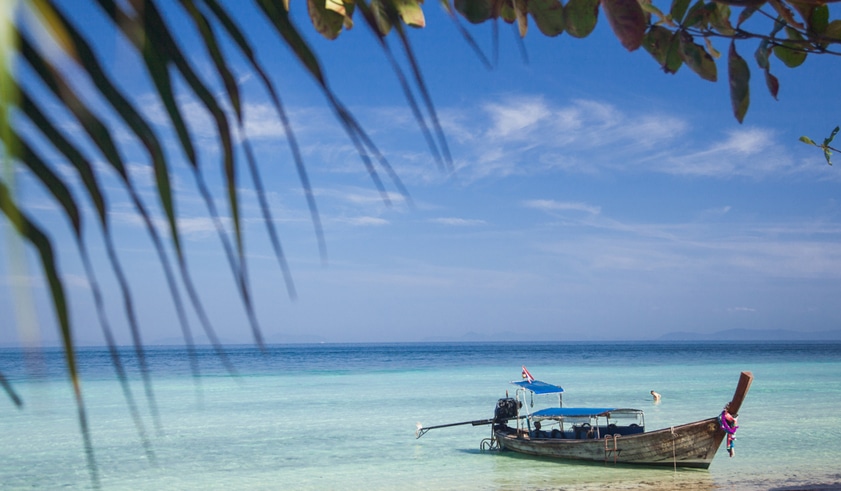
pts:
pixel 603 434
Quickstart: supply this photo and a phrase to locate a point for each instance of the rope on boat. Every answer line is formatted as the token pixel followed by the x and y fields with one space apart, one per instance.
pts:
pixel 674 453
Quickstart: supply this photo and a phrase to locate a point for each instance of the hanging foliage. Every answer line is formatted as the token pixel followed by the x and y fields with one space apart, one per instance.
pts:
pixel 675 34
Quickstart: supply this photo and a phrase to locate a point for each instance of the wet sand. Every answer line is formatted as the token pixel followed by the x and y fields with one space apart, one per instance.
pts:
pixel 701 486
pixel 680 483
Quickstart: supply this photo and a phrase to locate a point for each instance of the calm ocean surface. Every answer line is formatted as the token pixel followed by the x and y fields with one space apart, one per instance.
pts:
pixel 343 416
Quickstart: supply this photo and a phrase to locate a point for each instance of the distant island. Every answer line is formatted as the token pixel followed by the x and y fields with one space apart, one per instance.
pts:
pixel 729 335
pixel 754 335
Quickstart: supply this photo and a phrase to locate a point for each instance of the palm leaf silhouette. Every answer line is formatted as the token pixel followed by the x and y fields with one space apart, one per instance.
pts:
pixel 147 32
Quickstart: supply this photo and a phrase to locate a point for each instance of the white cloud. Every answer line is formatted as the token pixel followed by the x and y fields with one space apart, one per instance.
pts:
pixel 18 281
pixel 750 152
pixel 457 222
pixel 549 205
pixel 531 136
pixel 513 119
pixel 262 121
pixel 363 221
pixel 693 250
pixel 361 197
pixel 741 309
pixel 200 226
pixel 73 280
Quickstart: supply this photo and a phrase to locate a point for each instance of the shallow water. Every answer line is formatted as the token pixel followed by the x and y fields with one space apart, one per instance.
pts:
pixel 343 416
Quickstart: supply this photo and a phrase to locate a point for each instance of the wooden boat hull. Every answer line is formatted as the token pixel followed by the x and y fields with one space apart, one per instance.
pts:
pixel 689 445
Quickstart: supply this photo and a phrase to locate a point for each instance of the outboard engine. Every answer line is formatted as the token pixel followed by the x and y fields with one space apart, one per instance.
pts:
pixel 506 409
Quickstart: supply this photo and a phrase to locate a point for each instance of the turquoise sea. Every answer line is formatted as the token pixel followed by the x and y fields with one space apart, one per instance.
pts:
pixel 343 416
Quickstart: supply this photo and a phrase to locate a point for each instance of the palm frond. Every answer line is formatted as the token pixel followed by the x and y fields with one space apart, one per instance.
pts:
pixel 33 234
pixel 101 136
pixel 372 20
pixel 10 391
pixel 144 26
pixel 80 51
pixel 233 94
pixel 59 190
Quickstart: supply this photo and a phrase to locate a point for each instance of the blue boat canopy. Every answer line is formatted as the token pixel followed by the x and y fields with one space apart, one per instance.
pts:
pixel 568 412
pixel 539 387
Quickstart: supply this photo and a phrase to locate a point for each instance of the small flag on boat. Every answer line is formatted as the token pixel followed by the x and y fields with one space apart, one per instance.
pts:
pixel 527 375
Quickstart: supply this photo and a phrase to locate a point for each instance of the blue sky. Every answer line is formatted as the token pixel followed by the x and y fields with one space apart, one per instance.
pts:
pixel 594 197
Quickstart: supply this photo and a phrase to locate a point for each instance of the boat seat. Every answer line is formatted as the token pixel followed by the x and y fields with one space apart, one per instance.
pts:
pixel 583 432
pixel 635 428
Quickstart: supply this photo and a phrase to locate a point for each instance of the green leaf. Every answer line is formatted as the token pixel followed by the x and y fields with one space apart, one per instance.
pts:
pixel 656 42
pixel 762 53
pixel 411 12
pixel 549 15
pixel 790 53
pixel 673 58
pixel 580 17
pixel 739 76
pixel 663 45
pixel 627 19
pixel 344 9
pixel 819 20
pixel 326 22
pixel 711 49
pixel 678 10
pixel 650 9
pixel 772 83
pixel 791 57
pixel 807 140
pixel 720 19
pixel 696 16
pixel 832 32
pixel 475 11
pixel 697 59
pixel 831 137
pixel 779 24
pixel 381 17
pixel 745 14
pixel 506 11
